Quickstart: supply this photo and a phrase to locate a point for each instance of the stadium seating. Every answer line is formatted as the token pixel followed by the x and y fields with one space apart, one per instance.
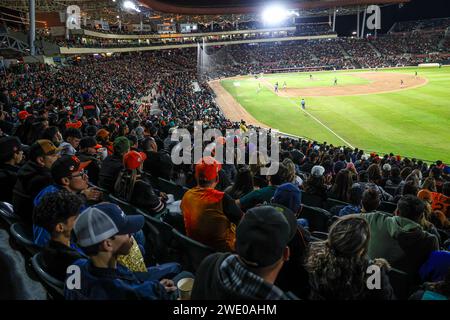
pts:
pixel 7 213
pixel 24 237
pixel 192 252
pixel 319 219
pixel 54 287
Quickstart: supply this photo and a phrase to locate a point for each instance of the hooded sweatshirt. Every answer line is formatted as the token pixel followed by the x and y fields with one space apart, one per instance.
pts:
pixel 399 240
pixel 31 179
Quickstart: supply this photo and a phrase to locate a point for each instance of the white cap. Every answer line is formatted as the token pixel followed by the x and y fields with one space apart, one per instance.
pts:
pixel 317 171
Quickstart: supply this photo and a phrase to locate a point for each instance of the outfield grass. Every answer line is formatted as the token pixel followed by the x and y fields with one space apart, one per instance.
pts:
pixel 413 122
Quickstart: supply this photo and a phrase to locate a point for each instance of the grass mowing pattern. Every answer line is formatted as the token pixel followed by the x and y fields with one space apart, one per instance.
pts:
pixel 412 122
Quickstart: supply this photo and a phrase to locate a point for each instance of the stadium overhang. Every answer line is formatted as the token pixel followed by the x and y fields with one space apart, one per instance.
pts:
pixel 202 7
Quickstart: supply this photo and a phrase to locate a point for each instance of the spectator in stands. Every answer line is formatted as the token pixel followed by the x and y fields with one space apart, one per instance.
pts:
pixel 56 213
pixel 158 163
pixel 132 186
pixel 365 182
pixel 242 185
pixel 252 271
pixel 103 232
pixel 370 200
pixel 441 201
pixel 293 277
pixel 439 290
pixel 338 266
pixel 429 184
pixel 113 164
pixel 72 137
pixel 264 194
pixel 291 172
pixel 309 163
pixel 342 186
pixel 89 152
pixel 315 185
pixel 354 206
pixel 11 155
pixel 68 174
pixel 52 133
pixel 210 216
pixel 401 239
pixel 394 177
pixel 33 176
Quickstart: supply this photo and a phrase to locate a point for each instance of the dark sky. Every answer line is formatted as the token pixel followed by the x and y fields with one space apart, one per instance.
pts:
pixel 414 10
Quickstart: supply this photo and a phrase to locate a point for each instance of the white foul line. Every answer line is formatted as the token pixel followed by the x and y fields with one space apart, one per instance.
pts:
pixel 309 114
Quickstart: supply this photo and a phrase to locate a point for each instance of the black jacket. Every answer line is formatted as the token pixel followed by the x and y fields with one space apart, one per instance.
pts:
pixel 109 172
pixel 208 285
pixel 8 179
pixel 93 169
pixel 57 257
pixel 145 198
pixel 31 179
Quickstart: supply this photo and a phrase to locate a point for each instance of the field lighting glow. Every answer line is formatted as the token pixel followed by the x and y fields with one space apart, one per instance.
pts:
pixel 131 5
pixel 276 13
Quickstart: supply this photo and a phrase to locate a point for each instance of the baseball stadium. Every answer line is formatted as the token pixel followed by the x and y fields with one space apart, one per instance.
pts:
pixel 235 150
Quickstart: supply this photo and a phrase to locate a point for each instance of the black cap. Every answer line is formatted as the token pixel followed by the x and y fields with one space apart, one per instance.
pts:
pixel 65 166
pixel 88 142
pixel 9 146
pixel 263 234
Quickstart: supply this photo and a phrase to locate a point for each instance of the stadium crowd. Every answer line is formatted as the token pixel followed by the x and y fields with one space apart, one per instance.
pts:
pixel 78 149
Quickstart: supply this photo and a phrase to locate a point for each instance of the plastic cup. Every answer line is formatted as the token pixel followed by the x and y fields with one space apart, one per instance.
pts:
pixel 185 288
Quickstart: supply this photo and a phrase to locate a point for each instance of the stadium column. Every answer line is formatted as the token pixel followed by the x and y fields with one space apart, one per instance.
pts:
pixel 363 23
pixel 334 19
pixel 32 30
pixel 357 22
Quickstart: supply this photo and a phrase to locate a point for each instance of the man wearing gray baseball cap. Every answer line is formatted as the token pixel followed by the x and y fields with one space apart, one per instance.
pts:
pixel 103 231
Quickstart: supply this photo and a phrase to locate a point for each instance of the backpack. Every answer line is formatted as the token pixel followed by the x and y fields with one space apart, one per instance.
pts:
pixel 124 185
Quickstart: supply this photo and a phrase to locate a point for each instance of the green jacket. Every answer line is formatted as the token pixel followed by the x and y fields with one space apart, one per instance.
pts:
pixel 401 241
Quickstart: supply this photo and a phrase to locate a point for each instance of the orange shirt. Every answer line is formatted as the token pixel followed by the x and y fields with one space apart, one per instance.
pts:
pixel 205 220
pixel 441 202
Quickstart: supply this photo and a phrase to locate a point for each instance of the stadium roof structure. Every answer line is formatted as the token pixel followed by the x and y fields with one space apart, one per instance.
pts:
pixel 193 10
pixel 207 7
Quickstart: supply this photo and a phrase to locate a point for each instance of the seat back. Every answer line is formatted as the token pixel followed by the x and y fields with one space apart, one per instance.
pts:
pixel 318 218
pixel 128 208
pixel 401 283
pixel 23 235
pixel 160 240
pixel 54 287
pixel 330 203
pixel 7 213
pixel 388 207
pixel 170 187
pixel 191 252
pixel 312 200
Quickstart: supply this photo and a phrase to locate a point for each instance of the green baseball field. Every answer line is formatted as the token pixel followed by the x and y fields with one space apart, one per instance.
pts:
pixel 389 110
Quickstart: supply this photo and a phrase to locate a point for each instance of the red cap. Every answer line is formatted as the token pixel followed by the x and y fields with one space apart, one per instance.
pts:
pixel 207 169
pixel 23 115
pixel 133 159
pixel 76 125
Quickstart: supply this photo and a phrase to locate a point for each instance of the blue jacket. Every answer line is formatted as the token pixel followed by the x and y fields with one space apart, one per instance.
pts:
pixel 115 284
pixel 436 267
pixel 41 236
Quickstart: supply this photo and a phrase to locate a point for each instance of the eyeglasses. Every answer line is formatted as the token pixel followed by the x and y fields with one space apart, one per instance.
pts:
pixel 82 173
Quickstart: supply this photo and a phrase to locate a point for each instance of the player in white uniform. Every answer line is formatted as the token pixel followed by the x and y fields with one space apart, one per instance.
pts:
pixel 303 103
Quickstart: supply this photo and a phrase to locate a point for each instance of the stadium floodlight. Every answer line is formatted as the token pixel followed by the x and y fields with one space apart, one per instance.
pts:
pixel 277 13
pixel 131 5
pixel 274 14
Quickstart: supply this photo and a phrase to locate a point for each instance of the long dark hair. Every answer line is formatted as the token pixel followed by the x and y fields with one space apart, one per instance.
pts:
pixel 243 183
pixel 342 186
pixel 337 267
